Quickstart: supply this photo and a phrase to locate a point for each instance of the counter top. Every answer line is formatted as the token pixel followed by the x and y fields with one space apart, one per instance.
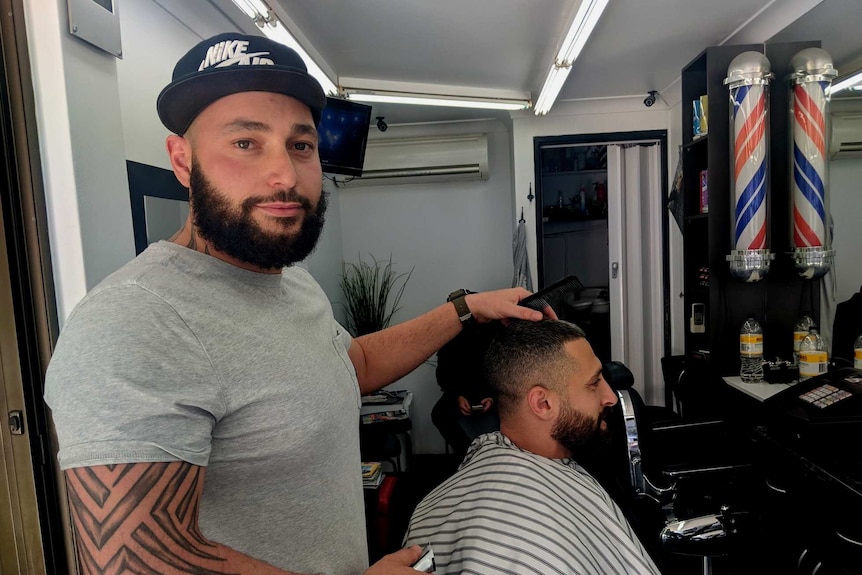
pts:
pixel 759 391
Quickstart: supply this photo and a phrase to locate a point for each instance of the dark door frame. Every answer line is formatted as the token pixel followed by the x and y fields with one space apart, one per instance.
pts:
pixel 608 138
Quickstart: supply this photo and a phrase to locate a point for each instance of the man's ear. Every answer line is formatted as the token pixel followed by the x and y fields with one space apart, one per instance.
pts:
pixel 180 154
pixel 542 402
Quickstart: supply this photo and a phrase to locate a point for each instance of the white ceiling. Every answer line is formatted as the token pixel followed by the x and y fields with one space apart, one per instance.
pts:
pixel 638 45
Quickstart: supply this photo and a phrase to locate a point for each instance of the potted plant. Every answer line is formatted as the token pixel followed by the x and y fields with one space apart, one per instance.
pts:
pixel 368 288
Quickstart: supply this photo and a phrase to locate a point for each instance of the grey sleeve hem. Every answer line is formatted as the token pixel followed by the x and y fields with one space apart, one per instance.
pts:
pixel 86 456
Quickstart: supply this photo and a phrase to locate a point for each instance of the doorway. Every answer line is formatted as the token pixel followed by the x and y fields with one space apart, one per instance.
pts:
pixel 601 217
pixel 32 520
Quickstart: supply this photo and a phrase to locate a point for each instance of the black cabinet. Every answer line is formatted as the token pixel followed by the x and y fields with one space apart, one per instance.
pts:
pixel 778 300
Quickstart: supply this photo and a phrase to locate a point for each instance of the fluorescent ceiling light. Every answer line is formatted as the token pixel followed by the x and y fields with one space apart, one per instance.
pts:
pixel 376 96
pixel 280 34
pixel 254 9
pixel 582 26
pixel 553 84
pixel 848 82
pixel 273 29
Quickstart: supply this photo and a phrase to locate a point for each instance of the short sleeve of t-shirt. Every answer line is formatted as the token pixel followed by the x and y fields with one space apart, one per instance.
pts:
pixel 129 382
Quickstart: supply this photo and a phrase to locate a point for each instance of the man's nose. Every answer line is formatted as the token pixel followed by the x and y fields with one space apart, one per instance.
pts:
pixel 609 396
pixel 283 173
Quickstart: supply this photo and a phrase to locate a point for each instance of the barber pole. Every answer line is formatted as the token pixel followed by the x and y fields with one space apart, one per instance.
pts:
pixel 748 82
pixel 809 109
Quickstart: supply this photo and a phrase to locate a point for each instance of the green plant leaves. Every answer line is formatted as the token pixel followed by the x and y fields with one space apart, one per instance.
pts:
pixel 367 288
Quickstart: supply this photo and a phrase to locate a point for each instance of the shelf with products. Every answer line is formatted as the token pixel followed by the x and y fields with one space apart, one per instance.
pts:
pixel 577 159
pixel 707 218
pixel 697 141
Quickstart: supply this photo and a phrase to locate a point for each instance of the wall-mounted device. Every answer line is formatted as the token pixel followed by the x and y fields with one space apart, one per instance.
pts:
pixel 697 322
pixel 343 132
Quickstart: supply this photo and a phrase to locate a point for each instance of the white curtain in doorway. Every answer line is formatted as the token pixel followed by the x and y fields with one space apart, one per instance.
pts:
pixel 635 249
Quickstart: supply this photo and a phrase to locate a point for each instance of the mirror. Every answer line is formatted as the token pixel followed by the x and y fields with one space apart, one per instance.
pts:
pixel 160 204
pixel 163 217
pixel 836 24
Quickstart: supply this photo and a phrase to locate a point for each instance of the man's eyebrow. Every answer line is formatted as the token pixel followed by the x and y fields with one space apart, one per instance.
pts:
pixel 243 125
pixel 304 130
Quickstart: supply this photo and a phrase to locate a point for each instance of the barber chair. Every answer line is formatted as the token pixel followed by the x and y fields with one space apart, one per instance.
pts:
pixel 684 483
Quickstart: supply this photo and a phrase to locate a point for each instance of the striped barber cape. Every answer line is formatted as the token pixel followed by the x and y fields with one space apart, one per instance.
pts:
pixel 509 511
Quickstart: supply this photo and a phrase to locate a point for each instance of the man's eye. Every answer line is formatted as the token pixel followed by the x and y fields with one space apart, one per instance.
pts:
pixel 243 144
pixel 302 146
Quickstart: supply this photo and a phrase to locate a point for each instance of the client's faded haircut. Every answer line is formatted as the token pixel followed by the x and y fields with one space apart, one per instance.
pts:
pixel 526 354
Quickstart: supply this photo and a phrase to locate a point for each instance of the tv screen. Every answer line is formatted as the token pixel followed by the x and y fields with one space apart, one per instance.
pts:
pixel 343 133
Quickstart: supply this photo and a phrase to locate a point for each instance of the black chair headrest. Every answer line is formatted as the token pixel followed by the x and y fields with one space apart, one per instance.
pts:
pixel 618 376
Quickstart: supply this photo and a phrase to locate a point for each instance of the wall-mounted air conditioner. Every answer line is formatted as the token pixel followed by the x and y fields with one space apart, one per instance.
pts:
pixel 417 160
pixel 846 136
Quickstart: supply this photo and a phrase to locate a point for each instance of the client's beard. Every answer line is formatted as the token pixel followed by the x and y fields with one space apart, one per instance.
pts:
pixel 580 434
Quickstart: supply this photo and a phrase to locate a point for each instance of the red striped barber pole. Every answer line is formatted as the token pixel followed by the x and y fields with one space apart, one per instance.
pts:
pixel 809 109
pixel 749 165
pixel 748 82
pixel 809 164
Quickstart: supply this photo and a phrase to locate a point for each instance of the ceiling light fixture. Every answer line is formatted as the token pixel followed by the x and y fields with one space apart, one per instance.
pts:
pixel 582 26
pixel 848 82
pixel 378 96
pixel 272 28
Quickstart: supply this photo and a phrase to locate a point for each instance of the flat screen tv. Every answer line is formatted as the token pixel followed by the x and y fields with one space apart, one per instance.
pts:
pixel 343 133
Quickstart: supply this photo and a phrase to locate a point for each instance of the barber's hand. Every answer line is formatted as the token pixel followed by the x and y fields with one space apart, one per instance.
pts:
pixel 464 405
pixel 397 563
pixel 487 403
pixel 503 304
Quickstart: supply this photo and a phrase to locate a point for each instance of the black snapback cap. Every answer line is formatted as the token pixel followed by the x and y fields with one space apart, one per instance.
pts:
pixel 230 63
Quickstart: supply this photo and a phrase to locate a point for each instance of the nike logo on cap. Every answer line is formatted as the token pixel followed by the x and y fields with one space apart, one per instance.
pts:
pixel 233 52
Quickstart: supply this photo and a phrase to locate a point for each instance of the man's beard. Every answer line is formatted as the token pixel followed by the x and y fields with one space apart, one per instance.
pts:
pixel 233 231
pixel 580 434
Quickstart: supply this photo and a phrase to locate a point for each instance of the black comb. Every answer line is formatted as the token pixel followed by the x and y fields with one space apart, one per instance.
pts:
pixel 552 295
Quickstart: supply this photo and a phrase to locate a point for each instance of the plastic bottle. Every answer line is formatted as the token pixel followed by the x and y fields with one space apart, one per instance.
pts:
pixel 751 351
pixel 857 352
pixel 560 199
pixel 799 332
pixel 582 200
pixel 813 358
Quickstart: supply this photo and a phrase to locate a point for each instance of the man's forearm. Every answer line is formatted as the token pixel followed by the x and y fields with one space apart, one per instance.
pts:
pixel 381 358
pixel 142 518
pixel 394 352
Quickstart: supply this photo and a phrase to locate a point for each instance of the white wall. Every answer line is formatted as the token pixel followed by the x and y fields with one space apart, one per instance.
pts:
pixel 845 193
pixel 454 235
pixel 81 146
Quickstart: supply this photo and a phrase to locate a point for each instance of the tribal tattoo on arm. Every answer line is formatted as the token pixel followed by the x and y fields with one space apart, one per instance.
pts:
pixel 142 518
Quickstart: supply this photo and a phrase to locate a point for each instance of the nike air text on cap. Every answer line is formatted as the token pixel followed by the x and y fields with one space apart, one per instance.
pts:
pixel 230 63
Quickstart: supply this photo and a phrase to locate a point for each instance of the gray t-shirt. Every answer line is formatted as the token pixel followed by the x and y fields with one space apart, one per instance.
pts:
pixel 181 356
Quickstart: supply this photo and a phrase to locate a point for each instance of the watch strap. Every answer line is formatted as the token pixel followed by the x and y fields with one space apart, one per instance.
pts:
pixel 459 300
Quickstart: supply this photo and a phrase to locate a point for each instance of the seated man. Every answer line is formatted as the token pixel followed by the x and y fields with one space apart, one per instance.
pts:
pixel 519 503
pixel 466 409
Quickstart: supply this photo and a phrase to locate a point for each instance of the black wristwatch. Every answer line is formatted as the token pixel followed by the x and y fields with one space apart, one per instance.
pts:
pixel 458 299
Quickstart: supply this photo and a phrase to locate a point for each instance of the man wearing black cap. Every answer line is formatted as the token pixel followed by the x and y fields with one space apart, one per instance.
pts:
pixel 206 401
